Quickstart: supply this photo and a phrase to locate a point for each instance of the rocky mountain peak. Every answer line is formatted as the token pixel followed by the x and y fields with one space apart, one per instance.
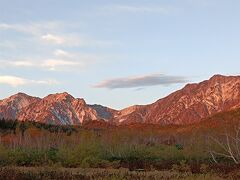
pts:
pixel 58 97
pixel 59 108
pixel 188 105
pixel 9 107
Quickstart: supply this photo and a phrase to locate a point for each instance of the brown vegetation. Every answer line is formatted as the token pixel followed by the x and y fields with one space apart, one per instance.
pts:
pixel 136 147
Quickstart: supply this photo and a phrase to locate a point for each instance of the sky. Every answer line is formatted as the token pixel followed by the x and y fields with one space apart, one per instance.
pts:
pixel 115 52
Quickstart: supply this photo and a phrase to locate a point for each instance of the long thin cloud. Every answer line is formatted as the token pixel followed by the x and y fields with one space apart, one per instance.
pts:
pixel 141 81
pixel 32 28
pixel 48 64
pixel 51 33
pixel 157 9
pixel 60 60
pixel 15 81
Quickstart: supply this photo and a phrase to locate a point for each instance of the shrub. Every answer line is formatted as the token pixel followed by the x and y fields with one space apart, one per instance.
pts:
pixel 26 157
pixel 3 155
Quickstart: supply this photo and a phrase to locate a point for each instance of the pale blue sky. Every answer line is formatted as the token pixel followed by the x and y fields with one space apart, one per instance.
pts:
pixel 115 53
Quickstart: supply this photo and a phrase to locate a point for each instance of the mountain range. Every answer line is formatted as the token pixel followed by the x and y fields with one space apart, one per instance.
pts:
pixel 189 105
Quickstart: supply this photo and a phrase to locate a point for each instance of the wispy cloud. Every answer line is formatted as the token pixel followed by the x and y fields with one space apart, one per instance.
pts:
pixel 48 64
pixel 32 28
pixel 141 81
pixel 53 38
pixel 60 60
pixel 55 33
pixel 140 8
pixel 202 2
pixel 18 63
pixel 54 64
pixel 74 40
pixel 15 81
pixel 62 53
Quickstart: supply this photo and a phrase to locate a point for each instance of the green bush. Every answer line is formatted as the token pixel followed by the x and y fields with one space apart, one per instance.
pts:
pixel 52 154
pixel 26 157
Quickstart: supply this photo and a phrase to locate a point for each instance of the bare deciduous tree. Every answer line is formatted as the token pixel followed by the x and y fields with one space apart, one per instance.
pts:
pixel 228 146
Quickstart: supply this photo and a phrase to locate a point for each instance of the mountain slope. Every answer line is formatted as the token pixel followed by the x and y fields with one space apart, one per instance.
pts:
pixel 10 107
pixel 60 108
pixel 186 106
pixel 192 103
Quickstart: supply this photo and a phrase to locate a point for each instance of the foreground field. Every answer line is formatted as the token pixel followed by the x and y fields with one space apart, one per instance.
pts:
pixel 209 150
pixel 25 173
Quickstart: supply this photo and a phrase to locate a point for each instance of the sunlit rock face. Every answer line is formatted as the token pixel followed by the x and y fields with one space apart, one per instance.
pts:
pixel 61 108
pixel 10 107
pixel 188 105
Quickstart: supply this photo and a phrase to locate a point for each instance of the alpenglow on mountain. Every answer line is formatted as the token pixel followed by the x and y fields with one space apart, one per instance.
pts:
pixel 186 106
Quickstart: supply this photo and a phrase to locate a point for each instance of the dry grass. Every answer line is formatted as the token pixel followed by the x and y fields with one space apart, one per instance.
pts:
pixel 88 174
